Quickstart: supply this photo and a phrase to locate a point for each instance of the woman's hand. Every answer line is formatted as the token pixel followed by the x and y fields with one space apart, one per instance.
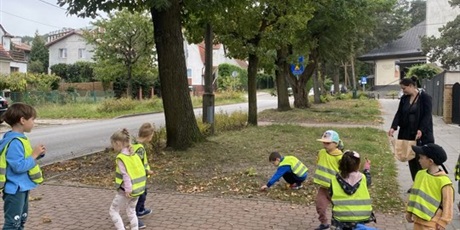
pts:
pixel 390 132
pixel 419 135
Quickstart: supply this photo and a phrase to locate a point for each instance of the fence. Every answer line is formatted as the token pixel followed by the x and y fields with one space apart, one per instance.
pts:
pixel 59 97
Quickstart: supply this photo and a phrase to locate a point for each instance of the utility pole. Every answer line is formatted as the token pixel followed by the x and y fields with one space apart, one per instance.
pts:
pixel 208 96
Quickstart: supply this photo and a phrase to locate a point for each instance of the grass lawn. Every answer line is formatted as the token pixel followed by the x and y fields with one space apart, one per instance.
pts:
pixel 356 111
pixel 235 163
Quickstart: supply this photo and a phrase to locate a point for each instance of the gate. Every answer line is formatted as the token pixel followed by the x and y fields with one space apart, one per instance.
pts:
pixel 435 88
pixel 456 103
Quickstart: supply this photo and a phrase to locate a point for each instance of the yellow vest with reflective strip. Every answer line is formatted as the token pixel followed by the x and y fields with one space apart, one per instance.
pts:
pixel 457 169
pixel 297 167
pixel 35 174
pixel 139 149
pixel 136 172
pixel 326 168
pixel 426 195
pixel 353 208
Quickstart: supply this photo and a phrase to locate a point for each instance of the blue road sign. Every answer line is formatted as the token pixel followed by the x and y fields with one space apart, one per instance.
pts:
pixel 364 80
pixel 297 69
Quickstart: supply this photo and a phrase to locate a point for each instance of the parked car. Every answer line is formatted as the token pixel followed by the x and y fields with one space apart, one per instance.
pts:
pixel 3 107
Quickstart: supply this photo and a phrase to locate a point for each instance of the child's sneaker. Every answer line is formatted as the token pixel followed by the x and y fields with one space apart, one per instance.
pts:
pixel 295 186
pixel 323 227
pixel 144 213
pixel 141 224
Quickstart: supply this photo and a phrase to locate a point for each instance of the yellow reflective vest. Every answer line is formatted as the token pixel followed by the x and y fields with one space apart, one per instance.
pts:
pixel 355 208
pixel 327 167
pixel 297 167
pixel 457 169
pixel 35 173
pixel 136 172
pixel 426 196
pixel 139 149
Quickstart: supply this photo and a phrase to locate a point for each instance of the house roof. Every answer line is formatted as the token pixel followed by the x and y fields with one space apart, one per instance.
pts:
pixel 6 33
pixel 21 46
pixel 70 33
pixel 4 55
pixel 408 45
pixel 201 47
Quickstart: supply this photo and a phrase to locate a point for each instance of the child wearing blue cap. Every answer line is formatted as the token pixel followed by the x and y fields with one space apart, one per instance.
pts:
pixel 326 169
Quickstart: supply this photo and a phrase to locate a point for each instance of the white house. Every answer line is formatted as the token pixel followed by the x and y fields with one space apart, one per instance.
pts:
pixel 392 60
pixel 68 46
pixel 195 62
pixel 15 54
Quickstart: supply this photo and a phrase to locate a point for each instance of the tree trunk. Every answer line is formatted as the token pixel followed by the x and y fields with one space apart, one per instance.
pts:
pixel 336 80
pixel 181 126
pixel 253 62
pixel 316 90
pixel 281 72
pixel 129 88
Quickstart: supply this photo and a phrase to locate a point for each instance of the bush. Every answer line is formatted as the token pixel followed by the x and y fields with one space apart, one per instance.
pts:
pixel 112 105
pixel 225 122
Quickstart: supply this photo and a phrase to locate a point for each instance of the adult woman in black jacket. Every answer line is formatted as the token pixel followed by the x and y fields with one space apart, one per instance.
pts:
pixel 413 118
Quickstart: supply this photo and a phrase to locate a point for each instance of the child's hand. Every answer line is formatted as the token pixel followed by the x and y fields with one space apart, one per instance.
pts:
pixel 409 217
pixel 38 150
pixel 439 227
pixel 264 188
pixel 367 165
pixel 128 194
pixel 149 172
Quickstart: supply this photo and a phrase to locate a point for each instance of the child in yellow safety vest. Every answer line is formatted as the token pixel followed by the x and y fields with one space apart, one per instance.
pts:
pixel 19 169
pixel 457 178
pixel 145 135
pixel 351 202
pixel 431 197
pixel 130 178
pixel 293 171
pixel 326 169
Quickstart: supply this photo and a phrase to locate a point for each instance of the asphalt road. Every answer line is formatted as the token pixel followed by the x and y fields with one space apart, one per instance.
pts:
pixel 68 141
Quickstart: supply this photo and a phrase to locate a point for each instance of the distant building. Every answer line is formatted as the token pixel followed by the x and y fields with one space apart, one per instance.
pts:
pixel 392 60
pixel 14 55
pixel 68 46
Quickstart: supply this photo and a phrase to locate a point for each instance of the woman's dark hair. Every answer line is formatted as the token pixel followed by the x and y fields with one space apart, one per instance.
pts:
pixel 410 81
pixel 349 163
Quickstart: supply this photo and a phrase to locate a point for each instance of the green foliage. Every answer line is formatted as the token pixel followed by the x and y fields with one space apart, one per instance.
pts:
pixel 445 49
pixel 226 80
pixel 20 82
pixel 35 67
pixel 39 52
pixel 425 71
pixel 124 45
pixel 112 105
pixel 224 122
pixel 77 72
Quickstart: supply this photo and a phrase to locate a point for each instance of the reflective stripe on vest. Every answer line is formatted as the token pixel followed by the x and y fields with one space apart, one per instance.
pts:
pixel 35 173
pixel 136 173
pixel 457 169
pixel 139 149
pixel 297 167
pixel 326 168
pixel 426 195
pixel 351 208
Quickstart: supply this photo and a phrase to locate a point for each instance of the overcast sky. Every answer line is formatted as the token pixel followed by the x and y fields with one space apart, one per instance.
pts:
pixel 24 17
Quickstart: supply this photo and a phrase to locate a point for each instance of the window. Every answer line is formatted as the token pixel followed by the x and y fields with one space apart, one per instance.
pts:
pixel 189 73
pixel 63 53
pixel 14 69
pixel 81 53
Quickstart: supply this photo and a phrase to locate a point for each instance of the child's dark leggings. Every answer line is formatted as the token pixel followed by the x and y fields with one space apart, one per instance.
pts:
pixel 291 178
pixel 140 206
pixel 414 166
pixel 15 207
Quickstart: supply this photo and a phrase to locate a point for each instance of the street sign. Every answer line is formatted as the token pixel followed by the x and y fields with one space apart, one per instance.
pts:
pixel 297 69
pixel 363 80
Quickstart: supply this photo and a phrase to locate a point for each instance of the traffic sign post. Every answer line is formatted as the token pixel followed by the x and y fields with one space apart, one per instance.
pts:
pixel 364 82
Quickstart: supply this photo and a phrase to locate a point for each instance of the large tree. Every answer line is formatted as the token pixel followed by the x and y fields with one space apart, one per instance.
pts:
pixel 123 37
pixel 181 126
pixel 39 55
pixel 446 48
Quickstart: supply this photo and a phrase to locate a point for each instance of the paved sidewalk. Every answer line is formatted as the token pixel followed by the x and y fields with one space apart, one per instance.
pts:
pixel 74 208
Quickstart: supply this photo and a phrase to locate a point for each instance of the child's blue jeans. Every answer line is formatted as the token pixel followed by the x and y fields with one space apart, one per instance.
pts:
pixel 15 207
pixel 140 206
